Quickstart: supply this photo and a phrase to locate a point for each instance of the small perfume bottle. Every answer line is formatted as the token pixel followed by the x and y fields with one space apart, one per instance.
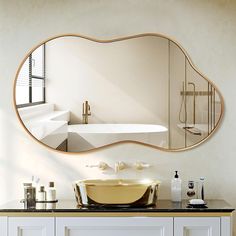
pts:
pixel 51 193
pixel 41 194
pixel 191 191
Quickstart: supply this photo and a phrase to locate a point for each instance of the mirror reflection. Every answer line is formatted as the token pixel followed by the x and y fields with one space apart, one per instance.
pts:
pixel 76 94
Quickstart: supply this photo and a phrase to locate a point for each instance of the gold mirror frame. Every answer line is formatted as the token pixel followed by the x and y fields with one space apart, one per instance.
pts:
pixel 123 141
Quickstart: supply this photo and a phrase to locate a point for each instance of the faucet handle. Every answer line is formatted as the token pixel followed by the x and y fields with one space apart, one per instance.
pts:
pixel 119 165
pixel 101 165
pixel 139 165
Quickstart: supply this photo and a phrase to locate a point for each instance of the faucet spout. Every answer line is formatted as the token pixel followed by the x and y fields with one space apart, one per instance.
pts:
pixel 86 112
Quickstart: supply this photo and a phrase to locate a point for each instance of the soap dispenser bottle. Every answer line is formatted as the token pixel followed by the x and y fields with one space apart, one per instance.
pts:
pixel 176 188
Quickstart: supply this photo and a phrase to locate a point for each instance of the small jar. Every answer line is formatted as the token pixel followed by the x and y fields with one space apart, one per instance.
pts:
pixel 29 196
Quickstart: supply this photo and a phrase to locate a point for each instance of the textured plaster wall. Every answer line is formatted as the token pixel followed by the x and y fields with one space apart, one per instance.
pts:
pixel 205 28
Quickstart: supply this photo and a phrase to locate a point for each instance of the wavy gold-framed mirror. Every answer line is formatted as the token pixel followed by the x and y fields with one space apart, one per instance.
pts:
pixel 77 94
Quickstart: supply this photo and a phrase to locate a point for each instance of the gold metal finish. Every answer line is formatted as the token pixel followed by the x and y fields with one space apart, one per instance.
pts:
pixel 208 107
pixel 211 110
pixel 169 92
pixel 101 165
pixel 194 102
pixel 193 130
pixel 196 93
pixel 86 112
pixel 187 58
pixel 185 102
pixel 115 214
pixel 116 192
pixel 214 107
pixel 119 165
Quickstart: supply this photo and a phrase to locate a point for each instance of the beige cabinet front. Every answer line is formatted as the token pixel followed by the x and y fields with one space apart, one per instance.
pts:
pixel 115 226
pixel 197 226
pixel 31 226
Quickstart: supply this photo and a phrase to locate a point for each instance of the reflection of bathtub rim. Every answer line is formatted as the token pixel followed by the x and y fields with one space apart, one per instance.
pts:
pixel 84 137
pixel 45 124
pixel 116 128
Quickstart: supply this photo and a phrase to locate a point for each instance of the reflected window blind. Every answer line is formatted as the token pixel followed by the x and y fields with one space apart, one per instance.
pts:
pixel 30 84
pixel 23 77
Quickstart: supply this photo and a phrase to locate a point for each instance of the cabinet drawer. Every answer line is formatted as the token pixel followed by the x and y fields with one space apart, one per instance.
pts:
pixel 197 226
pixel 115 226
pixel 31 226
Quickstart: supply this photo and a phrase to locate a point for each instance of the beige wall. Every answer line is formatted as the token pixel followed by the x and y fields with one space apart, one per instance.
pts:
pixel 207 31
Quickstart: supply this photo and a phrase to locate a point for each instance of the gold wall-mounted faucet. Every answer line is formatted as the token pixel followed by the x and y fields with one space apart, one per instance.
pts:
pixel 86 112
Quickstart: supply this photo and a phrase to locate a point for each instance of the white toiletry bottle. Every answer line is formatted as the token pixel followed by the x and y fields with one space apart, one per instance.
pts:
pixel 51 193
pixel 41 196
pixel 176 188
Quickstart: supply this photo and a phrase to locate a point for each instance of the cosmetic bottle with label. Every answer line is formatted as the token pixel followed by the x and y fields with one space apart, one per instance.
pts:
pixel 51 193
pixel 176 188
pixel 41 196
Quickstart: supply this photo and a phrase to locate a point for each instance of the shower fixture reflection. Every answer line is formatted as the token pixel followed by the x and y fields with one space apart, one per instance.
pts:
pixel 194 102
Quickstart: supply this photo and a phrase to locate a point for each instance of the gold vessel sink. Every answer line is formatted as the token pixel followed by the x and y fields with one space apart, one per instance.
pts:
pixel 116 192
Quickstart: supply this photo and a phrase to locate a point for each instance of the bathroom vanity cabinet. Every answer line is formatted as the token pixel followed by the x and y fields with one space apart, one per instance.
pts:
pixel 117 226
pixel 140 226
pixel 158 221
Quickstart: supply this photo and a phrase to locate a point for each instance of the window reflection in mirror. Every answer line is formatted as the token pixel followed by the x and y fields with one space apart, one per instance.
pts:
pixel 30 85
pixel 76 94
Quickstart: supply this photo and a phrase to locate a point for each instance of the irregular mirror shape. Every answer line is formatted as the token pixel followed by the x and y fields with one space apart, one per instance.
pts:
pixel 77 94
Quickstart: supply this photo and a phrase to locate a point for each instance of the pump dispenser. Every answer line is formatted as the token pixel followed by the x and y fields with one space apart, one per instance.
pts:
pixel 176 188
pixel 176 174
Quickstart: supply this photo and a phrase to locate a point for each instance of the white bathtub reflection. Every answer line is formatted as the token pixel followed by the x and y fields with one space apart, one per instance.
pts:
pixel 85 137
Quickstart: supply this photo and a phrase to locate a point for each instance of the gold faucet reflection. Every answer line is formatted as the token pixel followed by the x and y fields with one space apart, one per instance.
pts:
pixel 86 112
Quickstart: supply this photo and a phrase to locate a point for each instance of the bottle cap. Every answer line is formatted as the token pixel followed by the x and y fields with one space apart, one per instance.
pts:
pixel 191 184
pixel 41 189
pixel 27 185
pixel 176 174
pixel 51 184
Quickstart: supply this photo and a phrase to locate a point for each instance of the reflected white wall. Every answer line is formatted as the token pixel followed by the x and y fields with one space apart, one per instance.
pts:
pixel 124 81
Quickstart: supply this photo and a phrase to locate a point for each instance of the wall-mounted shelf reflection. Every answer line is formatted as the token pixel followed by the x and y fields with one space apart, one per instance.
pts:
pixel 196 93
pixel 197 129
